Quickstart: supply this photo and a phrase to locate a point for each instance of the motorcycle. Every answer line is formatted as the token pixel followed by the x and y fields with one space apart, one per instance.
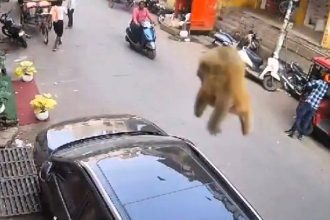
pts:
pixel 294 79
pixel 222 38
pixel 163 12
pixel 128 3
pixel 251 41
pixel 153 6
pixel 13 30
pixel 148 39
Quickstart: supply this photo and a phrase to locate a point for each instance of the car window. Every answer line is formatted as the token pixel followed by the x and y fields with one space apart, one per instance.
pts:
pixel 73 186
pixel 92 210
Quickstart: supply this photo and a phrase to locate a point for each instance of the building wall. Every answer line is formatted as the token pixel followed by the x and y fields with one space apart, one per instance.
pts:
pixel 239 3
pixel 228 3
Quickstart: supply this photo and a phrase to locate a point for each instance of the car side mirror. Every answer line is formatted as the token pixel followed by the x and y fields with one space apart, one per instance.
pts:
pixel 45 171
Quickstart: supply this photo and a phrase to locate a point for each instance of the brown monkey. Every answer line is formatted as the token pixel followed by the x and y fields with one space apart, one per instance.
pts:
pixel 222 74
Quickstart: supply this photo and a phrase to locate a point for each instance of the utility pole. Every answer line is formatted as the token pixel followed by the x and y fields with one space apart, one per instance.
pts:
pixel 284 29
pixel 273 64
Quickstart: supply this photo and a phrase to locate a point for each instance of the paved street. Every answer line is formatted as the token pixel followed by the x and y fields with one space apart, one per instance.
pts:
pixel 95 72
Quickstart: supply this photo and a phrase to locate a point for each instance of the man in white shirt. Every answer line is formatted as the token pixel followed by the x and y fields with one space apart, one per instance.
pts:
pixel 71 5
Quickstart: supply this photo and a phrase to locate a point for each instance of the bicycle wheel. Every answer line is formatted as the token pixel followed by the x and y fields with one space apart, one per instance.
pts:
pixel 283 7
pixel 44 32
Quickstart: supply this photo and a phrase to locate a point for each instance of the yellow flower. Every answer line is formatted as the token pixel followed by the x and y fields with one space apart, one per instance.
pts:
pixel 43 102
pixel 25 68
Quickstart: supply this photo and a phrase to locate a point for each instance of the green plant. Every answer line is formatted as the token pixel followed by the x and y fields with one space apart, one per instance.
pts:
pixel 4 94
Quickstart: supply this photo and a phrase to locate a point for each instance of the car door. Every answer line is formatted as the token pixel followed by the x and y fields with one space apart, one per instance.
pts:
pixel 77 193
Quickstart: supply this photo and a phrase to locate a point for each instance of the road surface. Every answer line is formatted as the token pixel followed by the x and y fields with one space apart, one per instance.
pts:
pixel 95 72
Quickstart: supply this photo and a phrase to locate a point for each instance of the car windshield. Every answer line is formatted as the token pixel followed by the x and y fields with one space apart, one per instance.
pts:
pixel 164 183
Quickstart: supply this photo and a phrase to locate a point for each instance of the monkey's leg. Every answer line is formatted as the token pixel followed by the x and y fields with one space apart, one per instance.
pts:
pixel 246 122
pixel 242 108
pixel 200 103
pixel 221 108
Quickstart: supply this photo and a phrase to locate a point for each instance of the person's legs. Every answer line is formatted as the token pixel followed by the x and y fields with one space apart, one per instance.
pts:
pixel 136 31
pixel 300 112
pixel 70 17
pixel 55 24
pixel 306 121
pixel 60 31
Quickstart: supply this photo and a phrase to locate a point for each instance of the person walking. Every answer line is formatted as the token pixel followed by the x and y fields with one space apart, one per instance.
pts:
pixel 71 5
pixel 57 12
pixel 307 107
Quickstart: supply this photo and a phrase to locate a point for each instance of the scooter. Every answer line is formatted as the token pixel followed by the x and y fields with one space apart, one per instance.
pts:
pixel 148 40
pixel 269 75
pixel 13 30
pixel 222 38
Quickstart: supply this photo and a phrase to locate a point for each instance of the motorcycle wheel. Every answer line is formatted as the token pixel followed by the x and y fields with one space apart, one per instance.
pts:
pixel 23 42
pixel 151 54
pixel 270 83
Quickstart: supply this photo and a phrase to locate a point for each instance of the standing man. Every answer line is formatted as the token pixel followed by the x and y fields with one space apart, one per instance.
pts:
pixel 71 5
pixel 307 108
pixel 57 12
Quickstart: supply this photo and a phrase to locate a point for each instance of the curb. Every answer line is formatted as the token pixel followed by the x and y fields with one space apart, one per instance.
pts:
pixel 7 136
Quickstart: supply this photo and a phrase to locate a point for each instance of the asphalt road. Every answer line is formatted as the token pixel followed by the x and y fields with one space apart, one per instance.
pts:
pixel 95 72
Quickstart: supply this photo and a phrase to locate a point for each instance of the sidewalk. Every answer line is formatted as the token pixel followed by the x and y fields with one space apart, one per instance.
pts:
pixel 302 44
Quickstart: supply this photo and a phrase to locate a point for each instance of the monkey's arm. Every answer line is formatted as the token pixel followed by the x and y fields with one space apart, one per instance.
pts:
pixel 200 103
pixel 221 108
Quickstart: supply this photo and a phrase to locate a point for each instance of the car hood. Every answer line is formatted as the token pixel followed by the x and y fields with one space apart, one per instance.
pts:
pixel 75 130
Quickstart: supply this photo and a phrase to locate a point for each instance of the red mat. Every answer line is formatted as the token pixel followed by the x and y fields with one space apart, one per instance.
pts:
pixel 25 92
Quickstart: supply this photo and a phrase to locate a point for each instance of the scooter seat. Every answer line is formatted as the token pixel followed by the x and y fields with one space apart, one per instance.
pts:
pixel 255 58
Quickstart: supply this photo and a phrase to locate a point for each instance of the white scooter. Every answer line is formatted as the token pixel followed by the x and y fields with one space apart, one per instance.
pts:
pixel 269 74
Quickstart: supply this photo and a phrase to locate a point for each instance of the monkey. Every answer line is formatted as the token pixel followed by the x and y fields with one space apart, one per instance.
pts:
pixel 223 86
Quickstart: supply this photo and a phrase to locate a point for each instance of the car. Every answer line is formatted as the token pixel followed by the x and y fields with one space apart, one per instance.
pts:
pixel 126 167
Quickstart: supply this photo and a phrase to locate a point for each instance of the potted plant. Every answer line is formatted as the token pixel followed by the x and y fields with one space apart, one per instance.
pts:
pixel 4 95
pixel 25 70
pixel 42 104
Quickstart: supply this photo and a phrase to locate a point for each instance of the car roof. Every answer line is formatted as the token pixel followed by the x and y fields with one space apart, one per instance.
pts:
pixel 157 177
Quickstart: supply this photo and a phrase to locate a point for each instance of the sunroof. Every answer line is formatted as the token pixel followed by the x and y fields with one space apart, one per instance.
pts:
pixel 149 174
pixel 166 183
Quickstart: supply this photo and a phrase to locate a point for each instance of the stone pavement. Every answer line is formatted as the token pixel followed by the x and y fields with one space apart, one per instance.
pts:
pixel 7 136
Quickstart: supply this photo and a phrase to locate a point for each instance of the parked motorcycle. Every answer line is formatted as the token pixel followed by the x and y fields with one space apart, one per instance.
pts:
pixel 153 6
pixel 163 11
pixel 13 30
pixel 148 39
pixel 251 41
pixel 222 38
pixel 294 79
pixel 128 3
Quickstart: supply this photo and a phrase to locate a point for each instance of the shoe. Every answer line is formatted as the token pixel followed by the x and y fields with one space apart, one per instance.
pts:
pixel 300 137
pixel 54 49
pixel 289 131
pixel 291 135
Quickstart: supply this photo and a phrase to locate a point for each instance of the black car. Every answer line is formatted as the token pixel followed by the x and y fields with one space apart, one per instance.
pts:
pixel 125 167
